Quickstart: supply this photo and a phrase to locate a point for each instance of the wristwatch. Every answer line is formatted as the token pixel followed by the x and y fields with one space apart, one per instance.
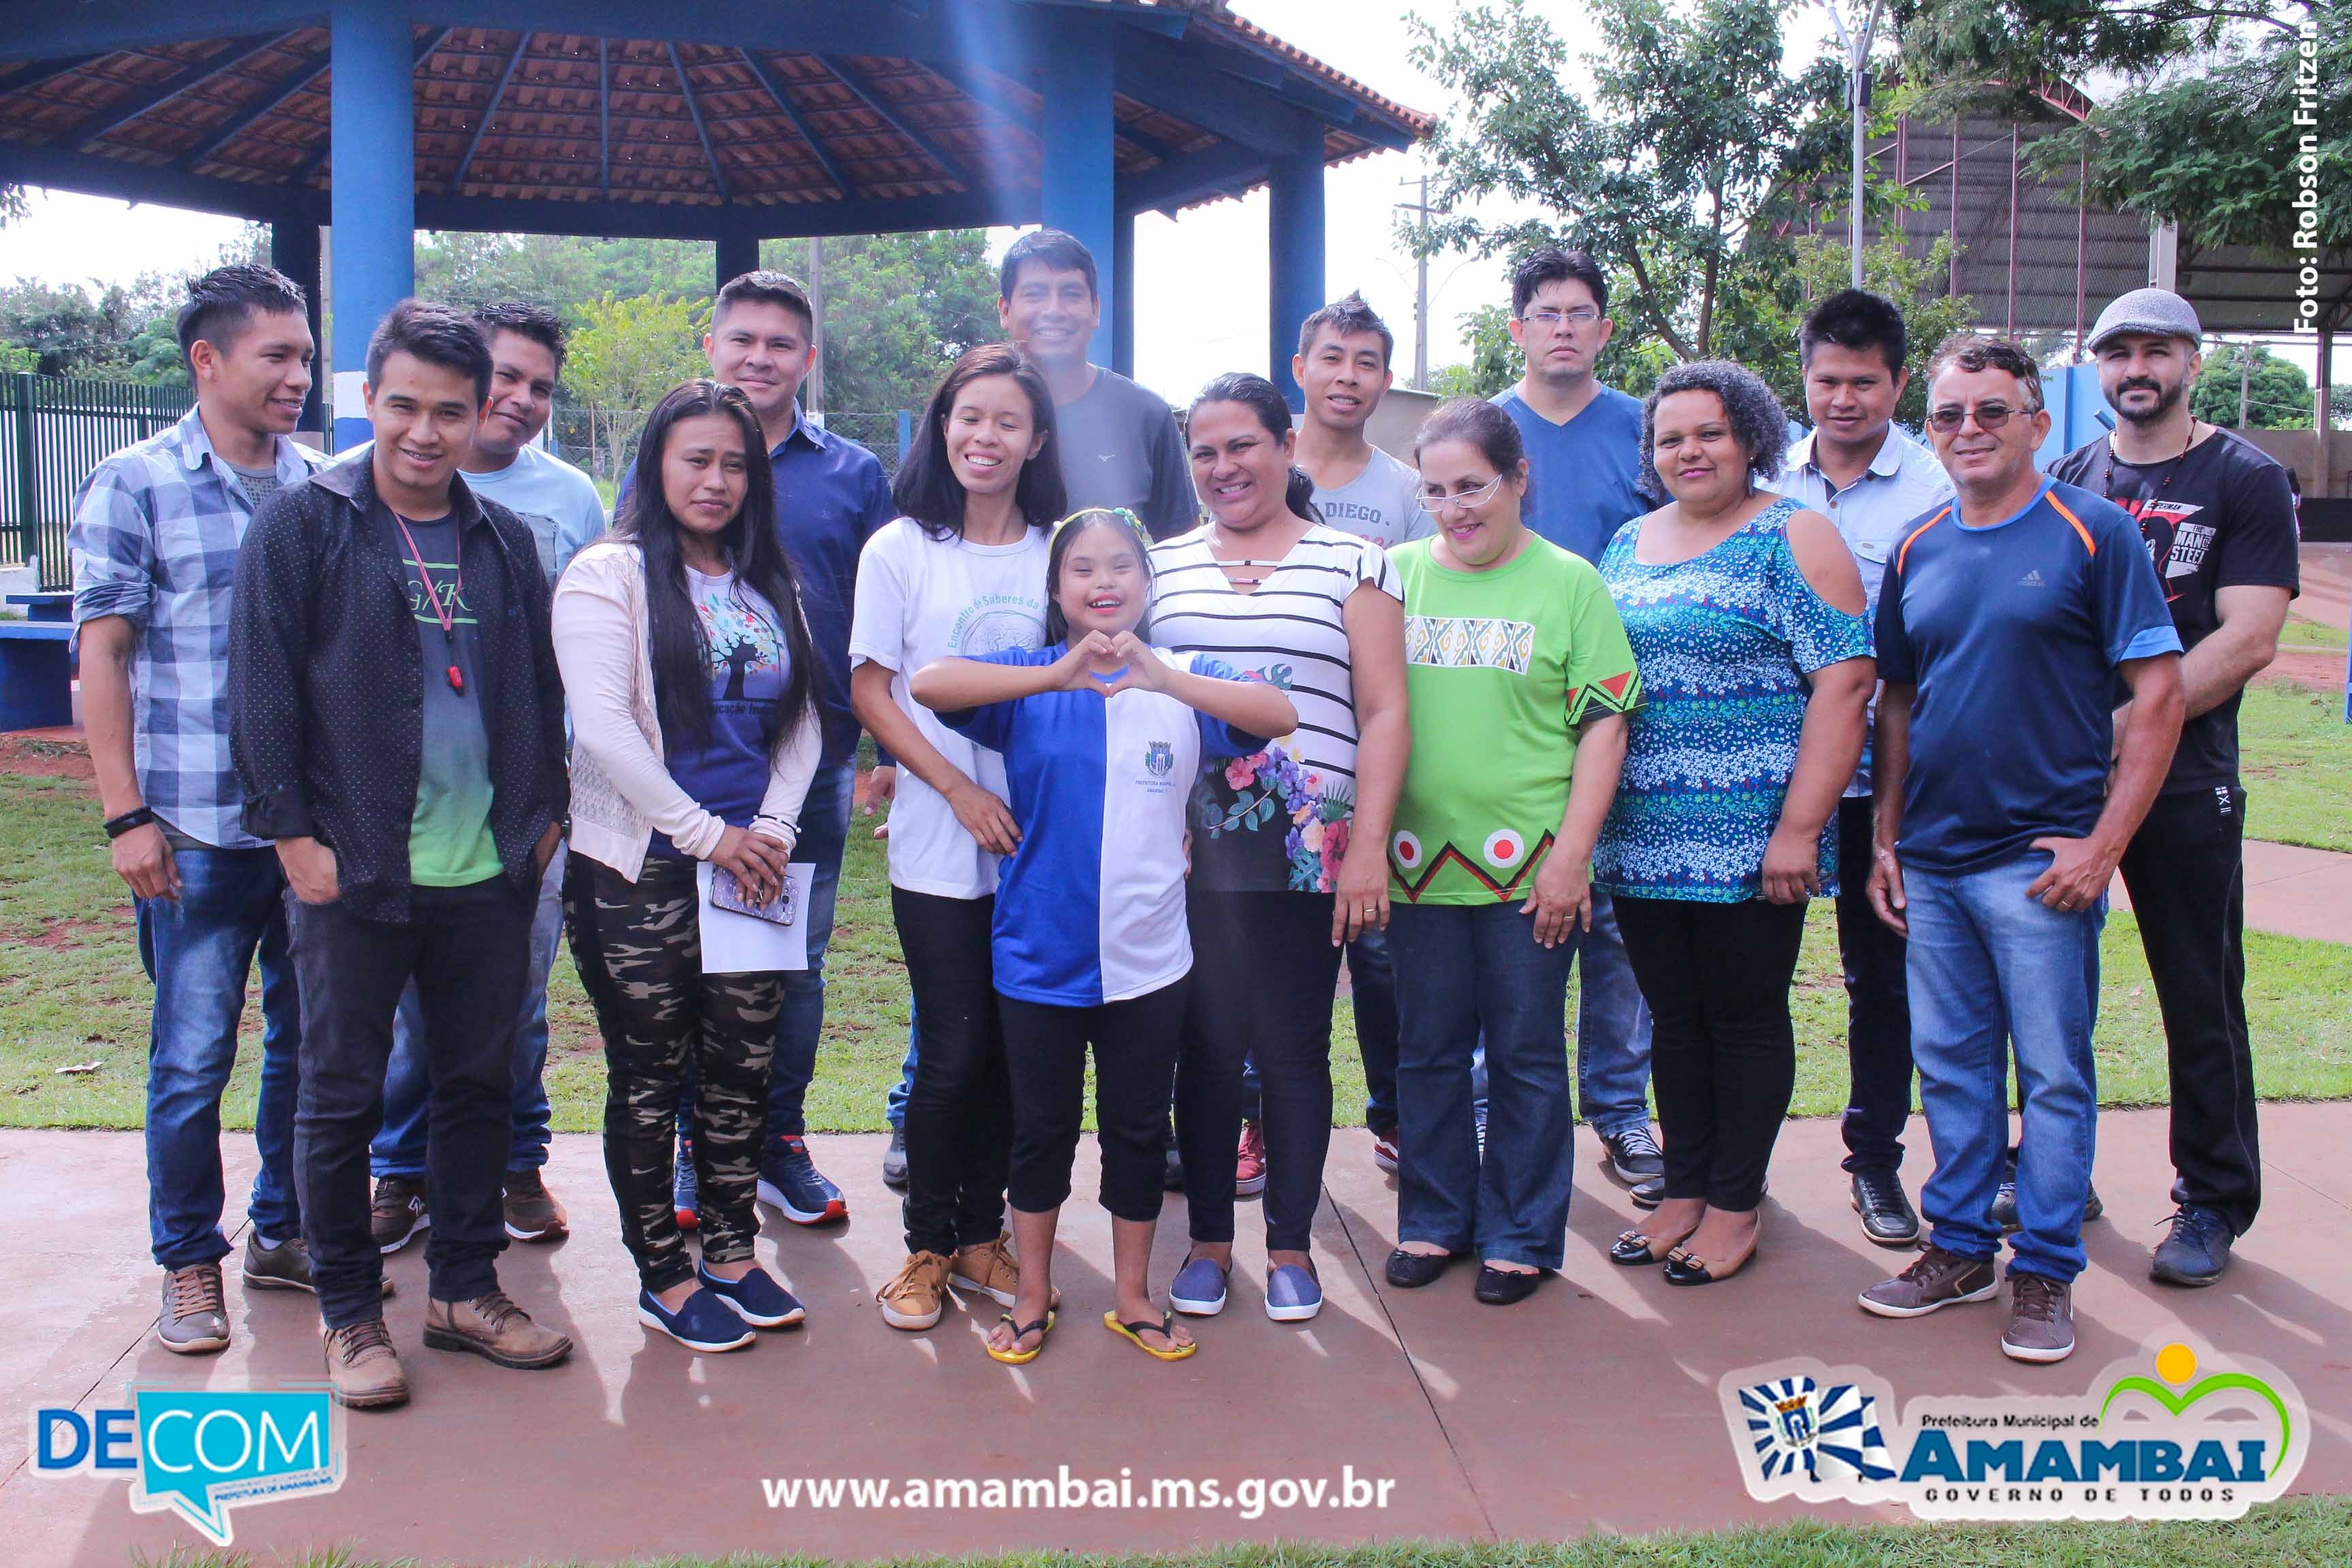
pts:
pixel 137 816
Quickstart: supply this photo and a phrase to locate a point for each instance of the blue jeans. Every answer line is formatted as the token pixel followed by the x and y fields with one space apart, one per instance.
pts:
pixel 198 950
pixel 1464 971
pixel 894 1104
pixel 1991 971
pixel 1612 1028
pixel 399 1149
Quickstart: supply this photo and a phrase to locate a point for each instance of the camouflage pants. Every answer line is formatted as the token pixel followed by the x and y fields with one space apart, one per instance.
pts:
pixel 640 956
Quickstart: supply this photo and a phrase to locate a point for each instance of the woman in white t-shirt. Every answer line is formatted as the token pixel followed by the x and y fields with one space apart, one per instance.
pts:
pixel 1265 587
pixel 961 573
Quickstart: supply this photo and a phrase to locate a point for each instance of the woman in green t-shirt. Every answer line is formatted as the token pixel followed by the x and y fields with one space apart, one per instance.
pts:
pixel 1519 677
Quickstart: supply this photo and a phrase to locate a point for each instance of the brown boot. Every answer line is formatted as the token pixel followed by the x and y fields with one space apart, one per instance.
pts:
pixel 495 1328
pixel 364 1368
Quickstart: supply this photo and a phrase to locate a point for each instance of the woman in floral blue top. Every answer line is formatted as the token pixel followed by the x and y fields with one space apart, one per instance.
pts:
pixel 1275 889
pixel 1745 616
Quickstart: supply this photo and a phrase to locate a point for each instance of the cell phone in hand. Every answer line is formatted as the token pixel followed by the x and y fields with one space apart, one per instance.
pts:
pixel 727 893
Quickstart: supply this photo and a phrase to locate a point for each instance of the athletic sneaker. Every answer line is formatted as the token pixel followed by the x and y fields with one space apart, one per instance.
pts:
pixel 790 1180
pixel 683 1199
pixel 2004 1198
pixel 195 1319
pixel 1249 1162
pixel 894 1161
pixel 531 1212
pixel 1384 1150
pixel 2195 1250
pixel 2040 1319
pixel 756 1297
pixel 1937 1281
pixel 285 1266
pixel 702 1322
pixel 398 1212
pixel 1633 1154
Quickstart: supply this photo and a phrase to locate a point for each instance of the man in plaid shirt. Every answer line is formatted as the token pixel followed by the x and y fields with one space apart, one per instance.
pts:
pixel 154 542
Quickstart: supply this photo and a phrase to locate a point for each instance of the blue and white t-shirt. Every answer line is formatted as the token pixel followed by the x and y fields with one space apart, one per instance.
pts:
pixel 1090 909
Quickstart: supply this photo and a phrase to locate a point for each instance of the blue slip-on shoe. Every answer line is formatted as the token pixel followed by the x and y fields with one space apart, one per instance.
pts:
pixel 756 1299
pixel 1293 1294
pixel 683 1199
pixel 789 1180
pixel 1198 1288
pixel 703 1324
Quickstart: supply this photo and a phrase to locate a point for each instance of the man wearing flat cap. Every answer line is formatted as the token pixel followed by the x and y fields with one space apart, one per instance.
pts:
pixel 2219 516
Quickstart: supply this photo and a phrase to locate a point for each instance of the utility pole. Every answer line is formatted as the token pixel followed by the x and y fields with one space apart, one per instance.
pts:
pixel 1423 212
pixel 1858 97
pixel 2246 381
pixel 816 329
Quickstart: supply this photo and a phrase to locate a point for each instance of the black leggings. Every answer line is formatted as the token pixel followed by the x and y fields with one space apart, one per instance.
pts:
pixel 1723 1056
pixel 959 1109
pixel 1135 1057
pixel 639 948
pixel 1266 973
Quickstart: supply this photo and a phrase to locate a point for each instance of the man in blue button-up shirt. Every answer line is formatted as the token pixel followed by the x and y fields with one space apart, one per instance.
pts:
pixel 1856 468
pixel 830 496
pixel 154 540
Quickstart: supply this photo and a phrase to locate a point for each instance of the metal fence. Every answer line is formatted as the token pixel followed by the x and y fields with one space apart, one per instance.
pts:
pixel 53 432
pixel 603 441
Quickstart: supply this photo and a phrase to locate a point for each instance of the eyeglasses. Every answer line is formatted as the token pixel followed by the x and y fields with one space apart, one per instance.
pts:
pixel 1989 417
pixel 1436 505
pixel 1581 316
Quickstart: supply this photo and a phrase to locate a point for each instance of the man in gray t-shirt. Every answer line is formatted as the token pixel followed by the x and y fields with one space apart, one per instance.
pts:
pixel 1342 370
pixel 1121 447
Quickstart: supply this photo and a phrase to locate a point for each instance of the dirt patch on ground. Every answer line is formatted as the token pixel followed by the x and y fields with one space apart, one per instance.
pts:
pixel 2312 668
pixel 57 934
pixel 43 757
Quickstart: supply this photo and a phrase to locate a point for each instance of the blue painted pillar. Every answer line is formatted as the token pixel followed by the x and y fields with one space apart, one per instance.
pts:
pixel 738 254
pixel 1294 233
pixel 1076 129
pixel 294 250
pixel 1122 296
pixel 374 190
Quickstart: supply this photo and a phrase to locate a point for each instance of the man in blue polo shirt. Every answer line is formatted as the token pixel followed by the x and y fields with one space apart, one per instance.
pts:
pixel 830 496
pixel 2004 805
pixel 1587 479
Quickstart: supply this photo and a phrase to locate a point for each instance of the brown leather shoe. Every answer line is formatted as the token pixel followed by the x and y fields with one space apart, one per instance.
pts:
pixel 531 1212
pixel 495 1328
pixel 364 1368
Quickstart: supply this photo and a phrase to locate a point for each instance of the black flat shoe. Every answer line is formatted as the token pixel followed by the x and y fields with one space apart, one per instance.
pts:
pixel 1501 1286
pixel 1412 1271
pixel 1634 1249
pixel 1684 1267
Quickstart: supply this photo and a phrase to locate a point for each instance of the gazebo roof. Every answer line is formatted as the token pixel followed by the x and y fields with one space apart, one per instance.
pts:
pixel 555 130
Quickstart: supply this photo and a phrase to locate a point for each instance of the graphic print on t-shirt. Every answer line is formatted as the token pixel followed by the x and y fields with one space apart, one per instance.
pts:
pixel 450 840
pixel 727 773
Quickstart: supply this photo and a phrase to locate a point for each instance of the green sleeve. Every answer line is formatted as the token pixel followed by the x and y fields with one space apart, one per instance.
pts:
pixel 1599 675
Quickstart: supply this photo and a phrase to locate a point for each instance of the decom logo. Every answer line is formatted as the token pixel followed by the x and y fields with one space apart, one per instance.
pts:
pixel 2171 1433
pixel 198 1452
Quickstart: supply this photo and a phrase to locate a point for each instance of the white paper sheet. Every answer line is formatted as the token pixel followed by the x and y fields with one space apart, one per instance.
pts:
pixel 739 945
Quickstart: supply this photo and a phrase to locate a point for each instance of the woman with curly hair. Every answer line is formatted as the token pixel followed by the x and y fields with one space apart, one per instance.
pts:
pixel 1274 893
pixel 1746 616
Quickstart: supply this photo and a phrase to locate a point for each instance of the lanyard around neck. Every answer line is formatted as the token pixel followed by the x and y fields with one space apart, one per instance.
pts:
pixel 445 613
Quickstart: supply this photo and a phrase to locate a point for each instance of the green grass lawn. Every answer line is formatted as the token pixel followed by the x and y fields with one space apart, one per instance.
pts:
pixel 2296 752
pixel 2302 1532
pixel 72 991
pixel 2300 632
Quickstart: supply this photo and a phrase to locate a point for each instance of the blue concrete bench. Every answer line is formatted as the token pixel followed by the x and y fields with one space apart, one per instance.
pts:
pixel 36 675
pixel 56 605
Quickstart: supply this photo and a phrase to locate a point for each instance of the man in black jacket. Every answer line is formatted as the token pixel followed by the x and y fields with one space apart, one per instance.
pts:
pixel 397 725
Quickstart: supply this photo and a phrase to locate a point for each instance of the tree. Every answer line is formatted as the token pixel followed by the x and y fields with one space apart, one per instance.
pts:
pixel 1695 142
pixel 2278 394
pixel 1496 362
pixel 898 308
pixel 70 331
pixel 628 356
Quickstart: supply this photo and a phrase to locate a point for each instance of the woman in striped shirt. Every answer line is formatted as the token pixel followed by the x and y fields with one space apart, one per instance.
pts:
pixel 1264 587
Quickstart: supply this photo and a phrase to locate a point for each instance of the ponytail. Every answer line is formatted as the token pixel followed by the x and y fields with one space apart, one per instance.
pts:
pixel 1300 495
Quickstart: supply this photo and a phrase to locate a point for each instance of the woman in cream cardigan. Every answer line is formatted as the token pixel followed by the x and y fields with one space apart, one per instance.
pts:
pixel 688 672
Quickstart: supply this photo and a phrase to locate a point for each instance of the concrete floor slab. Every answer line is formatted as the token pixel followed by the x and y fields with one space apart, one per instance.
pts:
pixel 1592 1406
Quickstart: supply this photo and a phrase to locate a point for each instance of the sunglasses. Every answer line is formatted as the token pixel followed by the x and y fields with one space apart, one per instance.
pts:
pixel 1989 417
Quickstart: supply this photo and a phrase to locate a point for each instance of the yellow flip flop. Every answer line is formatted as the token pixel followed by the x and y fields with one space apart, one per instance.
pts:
pixel 1041 1328
pixel 1131 1332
